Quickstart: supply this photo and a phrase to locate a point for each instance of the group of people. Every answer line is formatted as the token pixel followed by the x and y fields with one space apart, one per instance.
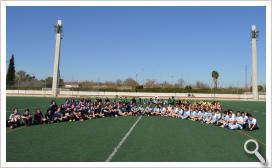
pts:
pixel 84 109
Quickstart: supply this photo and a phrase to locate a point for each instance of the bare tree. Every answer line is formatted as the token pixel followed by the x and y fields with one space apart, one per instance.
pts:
pixel 201 85
pixel 150 83
pixel 180 83
pixel 166 84
pixel 130 82
pixel 119 82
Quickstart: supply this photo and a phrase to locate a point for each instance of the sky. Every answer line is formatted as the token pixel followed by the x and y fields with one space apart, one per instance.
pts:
pixel 161 43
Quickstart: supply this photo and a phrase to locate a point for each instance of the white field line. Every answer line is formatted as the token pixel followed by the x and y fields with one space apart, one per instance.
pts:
pixel 115 150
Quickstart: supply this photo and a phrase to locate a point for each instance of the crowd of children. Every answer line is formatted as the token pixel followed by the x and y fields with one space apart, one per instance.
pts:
pixel 84 109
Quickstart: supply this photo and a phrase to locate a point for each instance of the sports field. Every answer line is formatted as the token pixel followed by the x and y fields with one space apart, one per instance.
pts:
pixel 154 139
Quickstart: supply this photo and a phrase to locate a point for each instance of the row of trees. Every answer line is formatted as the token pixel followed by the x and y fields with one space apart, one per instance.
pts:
pixel 23 80
pixel 130 83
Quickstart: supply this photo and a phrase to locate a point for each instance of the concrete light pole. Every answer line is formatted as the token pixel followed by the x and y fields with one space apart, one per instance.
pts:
pixel 254 35
pixel 55 83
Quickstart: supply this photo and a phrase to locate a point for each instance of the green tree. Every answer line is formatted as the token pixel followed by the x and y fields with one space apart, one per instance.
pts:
pixel 23 76
pixel 260 88
pixel 188 87
pixel 215 76
pixel 11 71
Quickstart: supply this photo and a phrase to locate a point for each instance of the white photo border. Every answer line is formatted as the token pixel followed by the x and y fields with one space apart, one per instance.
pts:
pixel 5 4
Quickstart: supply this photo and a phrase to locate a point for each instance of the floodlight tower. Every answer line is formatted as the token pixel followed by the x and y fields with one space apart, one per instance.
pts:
pixel 55 83
pixel 254 36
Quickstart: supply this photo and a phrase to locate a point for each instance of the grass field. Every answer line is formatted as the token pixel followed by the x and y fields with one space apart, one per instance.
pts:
pixel 153 139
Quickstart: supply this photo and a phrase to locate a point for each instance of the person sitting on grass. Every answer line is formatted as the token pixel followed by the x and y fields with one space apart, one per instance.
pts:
pixel 252 123
pixel 240 120
pixel 200 115
pixel 163 111
pixel 208 116
pixel 58 115
pixel 193 115
pixel 66 116
pixel 148 110
pixel 38 117
pixel 215 117
pixel 224 120
pixel 49 118
pixel 204 116
pixel 14 119
pixel 245 117
pixel 186 114
pixel 83 109
pixel 27 118
pixel 156 111
pixel 233 125
pixel 53 107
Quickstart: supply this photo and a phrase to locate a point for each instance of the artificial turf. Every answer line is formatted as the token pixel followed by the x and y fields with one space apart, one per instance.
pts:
pixel 153 139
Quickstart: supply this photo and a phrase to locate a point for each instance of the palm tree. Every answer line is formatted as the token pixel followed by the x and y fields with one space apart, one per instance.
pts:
pixel 215 76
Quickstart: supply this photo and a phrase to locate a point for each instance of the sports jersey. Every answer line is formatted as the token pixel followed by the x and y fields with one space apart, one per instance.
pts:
pixel 186 113
pixel 194 114
pixel 200 114
pixel 240 119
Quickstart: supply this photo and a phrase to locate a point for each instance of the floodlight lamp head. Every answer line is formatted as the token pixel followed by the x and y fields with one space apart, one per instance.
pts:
pixel 58 27
pixel 253 28
pixel 59 22
pixel 254 32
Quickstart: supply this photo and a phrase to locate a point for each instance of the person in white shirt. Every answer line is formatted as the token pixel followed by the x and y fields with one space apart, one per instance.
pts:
pixel 252 123
pixel 216 117
pixel 204 116
pixel 240 120
pixel 186 114
pixel 163 111
pixel 232 116
pixel 14 119
pixel 233 125
pixel 194 115
pixel 180 113
pixel 245 117
pixel 225 119
pixel 200 115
